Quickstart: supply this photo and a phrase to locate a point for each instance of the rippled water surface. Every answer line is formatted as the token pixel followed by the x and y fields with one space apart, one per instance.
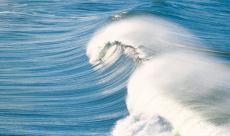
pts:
pixel 48 87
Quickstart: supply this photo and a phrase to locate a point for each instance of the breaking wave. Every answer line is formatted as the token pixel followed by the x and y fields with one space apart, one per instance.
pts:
pixel 179 88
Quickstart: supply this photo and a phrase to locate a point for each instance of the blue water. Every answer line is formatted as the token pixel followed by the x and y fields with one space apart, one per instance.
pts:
pixel 47 86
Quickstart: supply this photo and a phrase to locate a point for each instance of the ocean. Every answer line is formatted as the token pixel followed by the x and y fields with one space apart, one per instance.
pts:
pixel 114 68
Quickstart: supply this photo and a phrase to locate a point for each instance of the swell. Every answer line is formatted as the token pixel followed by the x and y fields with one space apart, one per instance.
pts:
pixel 47 87
pixel 179 88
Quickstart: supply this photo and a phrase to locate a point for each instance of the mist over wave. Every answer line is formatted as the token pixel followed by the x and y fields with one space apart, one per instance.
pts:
pixel 176 90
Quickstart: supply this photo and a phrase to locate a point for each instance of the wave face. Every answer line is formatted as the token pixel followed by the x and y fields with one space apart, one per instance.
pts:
pixel 120 68
pixel 174 91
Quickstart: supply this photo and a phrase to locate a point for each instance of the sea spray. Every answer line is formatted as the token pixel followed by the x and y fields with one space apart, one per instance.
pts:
pixel 151 35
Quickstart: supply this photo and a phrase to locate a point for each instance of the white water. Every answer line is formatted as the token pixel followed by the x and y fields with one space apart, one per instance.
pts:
pixel 177 91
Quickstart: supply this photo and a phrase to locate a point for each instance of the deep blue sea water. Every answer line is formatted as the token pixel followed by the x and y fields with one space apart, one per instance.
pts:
pixel 48 87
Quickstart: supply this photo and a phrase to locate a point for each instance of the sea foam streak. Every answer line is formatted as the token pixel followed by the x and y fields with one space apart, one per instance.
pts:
pixel 176 91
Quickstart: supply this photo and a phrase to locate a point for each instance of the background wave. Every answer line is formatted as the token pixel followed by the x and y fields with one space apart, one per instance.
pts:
pixel 47 86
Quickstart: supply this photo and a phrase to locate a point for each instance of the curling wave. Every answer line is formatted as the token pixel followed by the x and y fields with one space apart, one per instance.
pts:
pixel 177 90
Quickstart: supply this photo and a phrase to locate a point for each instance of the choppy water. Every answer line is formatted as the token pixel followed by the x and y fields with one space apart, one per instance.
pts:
pixel 48 86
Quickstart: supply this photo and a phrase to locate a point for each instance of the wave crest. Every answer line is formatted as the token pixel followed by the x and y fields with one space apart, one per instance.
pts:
pixel 150 35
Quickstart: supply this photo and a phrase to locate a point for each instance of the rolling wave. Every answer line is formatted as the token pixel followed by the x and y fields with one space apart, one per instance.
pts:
pixel 47 86
pixel 179 90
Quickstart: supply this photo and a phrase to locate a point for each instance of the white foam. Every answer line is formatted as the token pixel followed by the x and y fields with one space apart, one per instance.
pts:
pixel 184 89
pixel 140 125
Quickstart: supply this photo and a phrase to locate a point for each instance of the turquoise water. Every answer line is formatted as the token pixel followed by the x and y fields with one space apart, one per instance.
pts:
pixel 47 85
